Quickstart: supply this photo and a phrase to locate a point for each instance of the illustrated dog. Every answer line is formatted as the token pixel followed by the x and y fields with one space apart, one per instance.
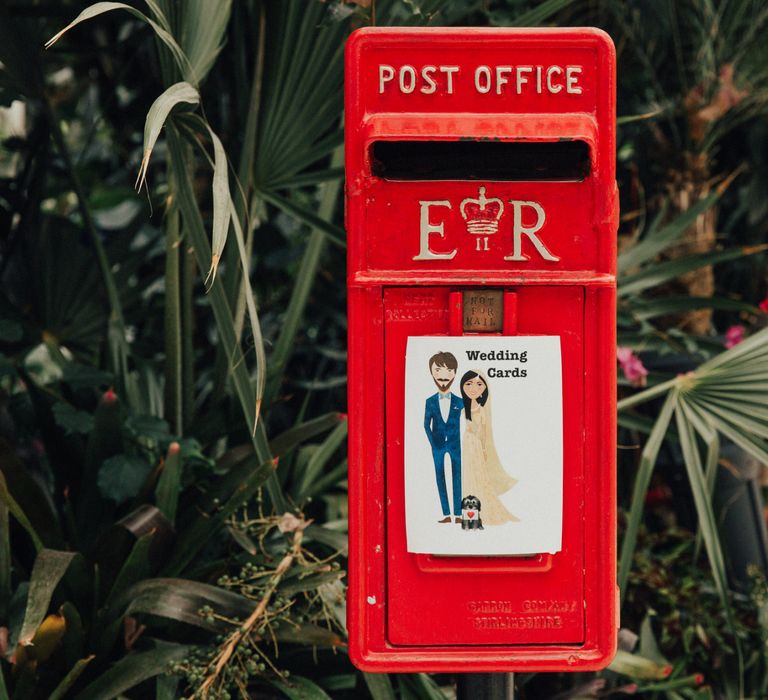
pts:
pixel 470 513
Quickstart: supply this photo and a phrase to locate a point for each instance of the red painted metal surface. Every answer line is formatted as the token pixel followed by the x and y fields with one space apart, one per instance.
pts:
pixel 406 262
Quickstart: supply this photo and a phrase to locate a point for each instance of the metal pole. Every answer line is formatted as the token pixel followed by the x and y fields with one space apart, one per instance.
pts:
pixel 485 686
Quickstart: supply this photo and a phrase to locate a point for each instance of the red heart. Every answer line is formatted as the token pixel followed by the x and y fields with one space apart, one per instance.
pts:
pixel 471 513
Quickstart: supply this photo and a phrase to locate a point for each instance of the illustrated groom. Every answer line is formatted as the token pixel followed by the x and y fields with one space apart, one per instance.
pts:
pixel 441 423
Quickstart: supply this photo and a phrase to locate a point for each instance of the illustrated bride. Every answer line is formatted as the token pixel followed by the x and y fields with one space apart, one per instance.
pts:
pixel 483 476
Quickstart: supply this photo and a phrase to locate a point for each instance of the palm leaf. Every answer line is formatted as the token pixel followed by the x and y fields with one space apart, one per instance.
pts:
pixel 655 275
pixel 722 396
pixel 302 96
pixel 199 27
pixel 645 309
pixel 659 238
pixel 162 32
pixel 642 482
pixel 543 12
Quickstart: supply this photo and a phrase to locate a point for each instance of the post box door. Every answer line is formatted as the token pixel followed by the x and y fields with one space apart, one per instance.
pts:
pixel 481 600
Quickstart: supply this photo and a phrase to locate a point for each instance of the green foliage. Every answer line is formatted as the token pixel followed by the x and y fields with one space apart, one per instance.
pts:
pixel 173 514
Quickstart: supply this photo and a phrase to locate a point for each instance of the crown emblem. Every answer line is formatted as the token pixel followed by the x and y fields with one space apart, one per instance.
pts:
pixel 482 214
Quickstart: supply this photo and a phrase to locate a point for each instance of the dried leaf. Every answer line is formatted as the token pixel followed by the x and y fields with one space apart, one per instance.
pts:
pixel 179 93
pixel 290 523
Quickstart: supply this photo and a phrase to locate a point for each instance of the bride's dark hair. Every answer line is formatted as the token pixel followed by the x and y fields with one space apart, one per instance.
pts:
pixel 467 401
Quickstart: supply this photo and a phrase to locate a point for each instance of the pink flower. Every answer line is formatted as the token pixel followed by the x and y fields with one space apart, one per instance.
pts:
pixel 632 366
pixel 734 335
pixel 763 305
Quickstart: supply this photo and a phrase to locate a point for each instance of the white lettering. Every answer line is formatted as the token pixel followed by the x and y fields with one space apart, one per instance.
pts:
pixel 538 79
pixel 426 229
pixel 486 73
pixel 571 80
pixel 410 86
pixel 521 78
pixel 550 86
pixel 518 231
pixel 501 72
pixel 386 73
pixel 426 73
pixel 449 71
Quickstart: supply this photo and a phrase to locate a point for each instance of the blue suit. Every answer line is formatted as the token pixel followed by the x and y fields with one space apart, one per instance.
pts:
pixel 444 437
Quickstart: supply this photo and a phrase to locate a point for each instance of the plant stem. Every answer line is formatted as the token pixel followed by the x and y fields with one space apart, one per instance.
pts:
pixel 198 239
pixel 642 481
pixel 234 639
pixel 5 562
pixel 234 289
pixel 305 278
pixel 173 325
pixel 119 350
pixel 187 335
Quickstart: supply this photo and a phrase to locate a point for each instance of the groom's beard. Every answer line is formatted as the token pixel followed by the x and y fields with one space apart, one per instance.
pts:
pixel 443 384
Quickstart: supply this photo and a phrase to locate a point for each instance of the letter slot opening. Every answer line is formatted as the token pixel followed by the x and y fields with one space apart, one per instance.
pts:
pixel 505 161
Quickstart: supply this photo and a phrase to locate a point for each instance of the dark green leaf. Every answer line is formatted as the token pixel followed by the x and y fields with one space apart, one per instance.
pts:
pixel 48 569
pixel 532 18
pixel 80 376
pixel 307 634
pixel 334 233
pixel 309 583
pixel 10 331
pixel 644 309
pixel 640 489
pixel 148 427
pixel 5 560
pixel 299 688
pixel 663 272
pixel 420 686
pixel 135 568
pixel 333 538
pixel 73 642
pixel 659 239
pixel 166 687
pixel 310 178
pixel 122 476
pixel 379 686
pixel 320 457
pixel 181 600
pixel 293 437
pixel 18 513
pixel 169 483
pixel 72 420
pixel 69 680
pixel 132 670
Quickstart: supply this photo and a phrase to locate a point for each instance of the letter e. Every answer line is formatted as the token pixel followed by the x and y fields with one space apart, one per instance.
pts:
pixel 426 229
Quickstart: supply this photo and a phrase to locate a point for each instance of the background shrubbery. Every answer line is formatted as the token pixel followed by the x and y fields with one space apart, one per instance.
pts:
pixel 151 544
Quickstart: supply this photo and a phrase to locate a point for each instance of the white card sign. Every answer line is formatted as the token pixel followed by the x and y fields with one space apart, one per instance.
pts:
pixel 483 445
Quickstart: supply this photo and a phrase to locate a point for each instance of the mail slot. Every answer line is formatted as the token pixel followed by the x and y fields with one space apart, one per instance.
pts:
pixel 481 212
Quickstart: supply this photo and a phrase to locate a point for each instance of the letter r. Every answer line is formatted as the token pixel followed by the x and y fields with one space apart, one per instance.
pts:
pixel 518 230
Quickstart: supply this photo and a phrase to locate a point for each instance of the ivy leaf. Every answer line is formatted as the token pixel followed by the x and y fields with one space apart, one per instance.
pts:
pixel 122 476
pixel 72 420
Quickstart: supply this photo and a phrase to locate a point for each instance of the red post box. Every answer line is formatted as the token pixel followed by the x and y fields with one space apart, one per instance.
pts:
pixel 481 217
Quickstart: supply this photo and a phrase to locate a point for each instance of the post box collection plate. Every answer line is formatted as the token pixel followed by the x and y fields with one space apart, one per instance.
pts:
pixel 481 211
